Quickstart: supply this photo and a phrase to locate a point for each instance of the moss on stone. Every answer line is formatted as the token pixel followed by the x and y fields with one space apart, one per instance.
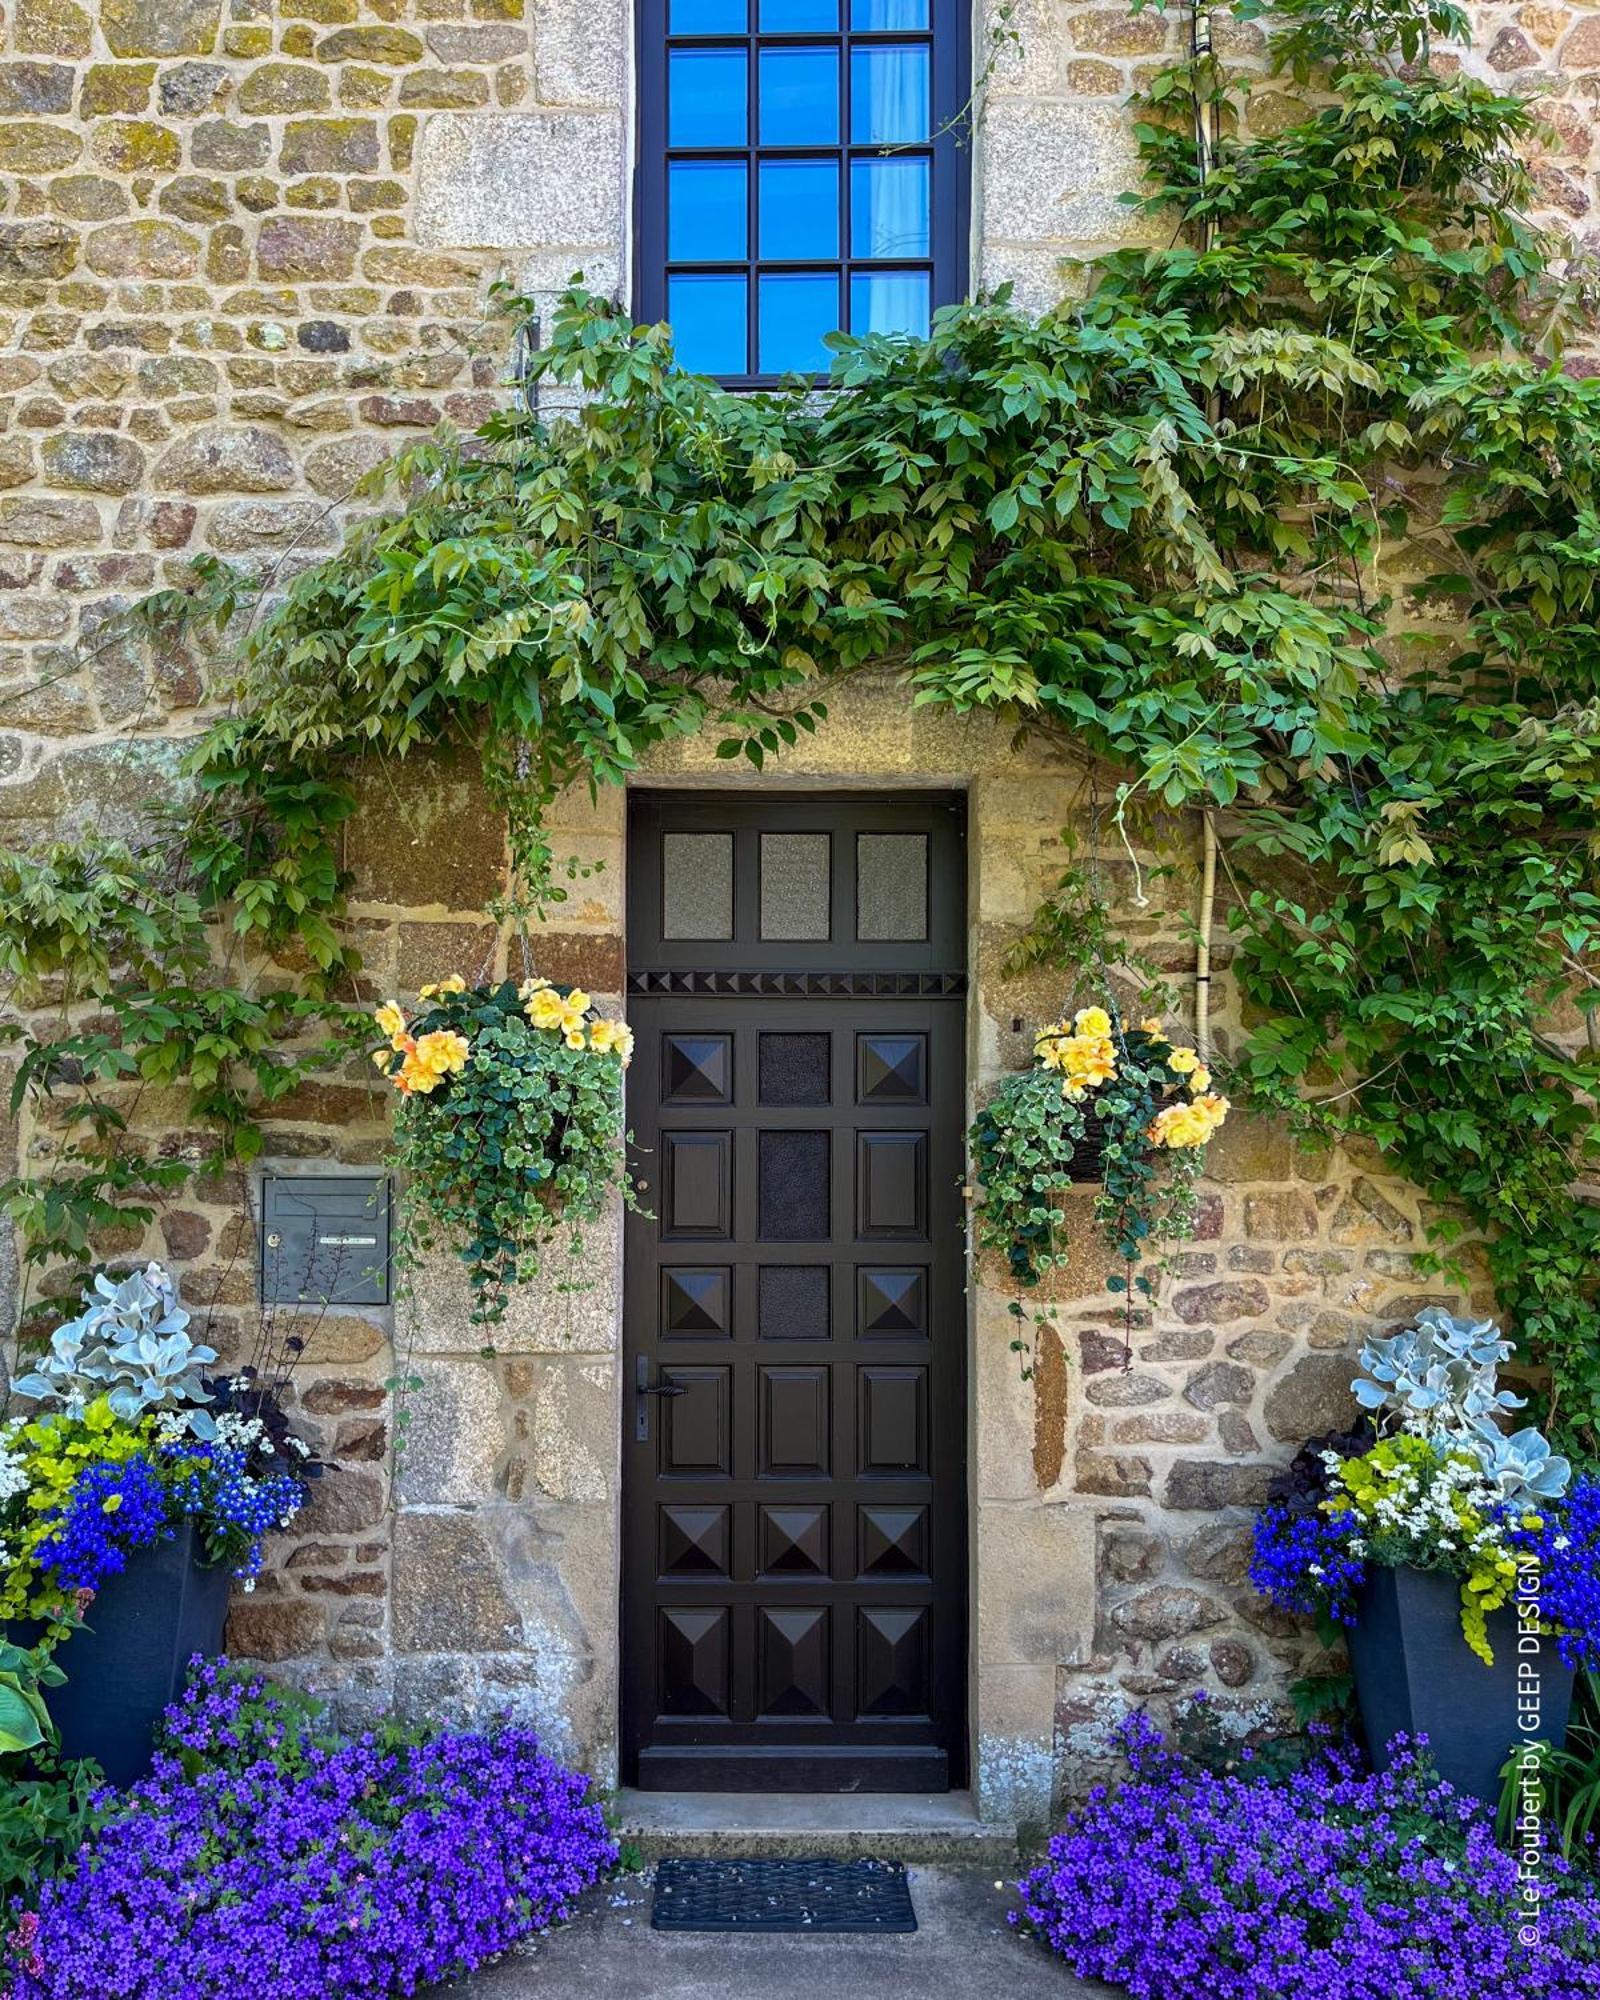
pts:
pixel 284 86
pixel 126 145
pixel 329 146
pixel 112 87
pixel 371 45
pixel 36 149
pixel 53 28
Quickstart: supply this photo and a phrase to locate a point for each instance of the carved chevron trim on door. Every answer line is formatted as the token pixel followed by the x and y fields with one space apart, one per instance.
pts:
pixel 803 985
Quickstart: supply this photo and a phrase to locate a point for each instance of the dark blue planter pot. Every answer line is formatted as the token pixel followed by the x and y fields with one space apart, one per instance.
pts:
pixel 129 1662
pixel 1416 1675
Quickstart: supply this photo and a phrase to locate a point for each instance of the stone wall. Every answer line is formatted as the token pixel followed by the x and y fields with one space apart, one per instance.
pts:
pixel 245 247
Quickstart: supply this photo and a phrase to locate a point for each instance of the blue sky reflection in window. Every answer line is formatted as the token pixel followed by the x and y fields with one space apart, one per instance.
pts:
pixel 809 176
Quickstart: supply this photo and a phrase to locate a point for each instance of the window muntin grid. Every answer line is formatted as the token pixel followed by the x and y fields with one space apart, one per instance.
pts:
pixel 800 173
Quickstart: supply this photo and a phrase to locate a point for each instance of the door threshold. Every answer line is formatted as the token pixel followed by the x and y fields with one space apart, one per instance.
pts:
pixel 891 1826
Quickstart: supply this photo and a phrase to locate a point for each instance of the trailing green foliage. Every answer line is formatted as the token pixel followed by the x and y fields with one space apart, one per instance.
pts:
pixel 1293 519
pixel 507 1134
pixel 121 954
pixel 1122 1100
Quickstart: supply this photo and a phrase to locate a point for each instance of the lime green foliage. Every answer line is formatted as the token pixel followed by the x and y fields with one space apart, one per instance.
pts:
pixel 40 1459
pixel 522 1143
pixel 1424 1506
pixel 1157 524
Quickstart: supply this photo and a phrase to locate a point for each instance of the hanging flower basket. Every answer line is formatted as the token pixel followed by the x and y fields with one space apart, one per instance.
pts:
pixel 1141 1104
pixel 509 1125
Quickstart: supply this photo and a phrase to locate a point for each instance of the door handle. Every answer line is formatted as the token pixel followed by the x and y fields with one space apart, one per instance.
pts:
pixel 643 1390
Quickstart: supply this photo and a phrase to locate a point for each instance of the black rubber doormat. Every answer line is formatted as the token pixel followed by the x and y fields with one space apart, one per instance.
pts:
pixel 821 1896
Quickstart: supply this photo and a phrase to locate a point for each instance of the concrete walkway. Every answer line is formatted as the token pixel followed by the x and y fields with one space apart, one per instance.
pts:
pixel 962 1949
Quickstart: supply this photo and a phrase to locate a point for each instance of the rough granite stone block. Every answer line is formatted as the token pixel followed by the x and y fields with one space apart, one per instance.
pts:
pixel 521 179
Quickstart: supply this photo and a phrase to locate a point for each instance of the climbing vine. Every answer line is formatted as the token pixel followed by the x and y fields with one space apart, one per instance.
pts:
pixel 1291 520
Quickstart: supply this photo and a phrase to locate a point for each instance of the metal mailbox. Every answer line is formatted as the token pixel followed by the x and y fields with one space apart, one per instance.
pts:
pixel 325 1239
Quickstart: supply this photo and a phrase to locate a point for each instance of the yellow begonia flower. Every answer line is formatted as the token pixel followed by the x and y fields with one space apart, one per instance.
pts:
pixel 1087 1058
pixel 1189 1124
pixel 1179 1125
pixel 433 1058
pixel 1151 1026
pixel 573 1017
pixel 381 1058
pixel 390 1020
pixel 1199 1080
pixel 605 1036
pixel 579 1001
pixel 575 1038
pixel 1092 1021
pixel 544 1008
pixel 1098 1064
pixel 624 1043
pixel 1183 1060
pixel 454 984
pixel 529 987
pixel 426 992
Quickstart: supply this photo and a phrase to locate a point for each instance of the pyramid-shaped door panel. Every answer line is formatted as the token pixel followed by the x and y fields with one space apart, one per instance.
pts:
pixel 893 1541
pixel 692 1657
pixel 695 1302
pixel 794 1541
pixel 892 1069
pixel 892 1661
pixel 892 1304
pixel 696 1069
pixel 794 1661
pixel 693 1541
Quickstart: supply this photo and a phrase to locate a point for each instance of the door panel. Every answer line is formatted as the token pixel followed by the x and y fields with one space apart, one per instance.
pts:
pixel 795 1528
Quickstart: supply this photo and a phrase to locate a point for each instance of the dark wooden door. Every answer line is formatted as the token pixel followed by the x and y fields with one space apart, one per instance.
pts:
pixel 794 1497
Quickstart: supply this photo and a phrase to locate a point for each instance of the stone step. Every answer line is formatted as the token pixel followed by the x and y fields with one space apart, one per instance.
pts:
pixel 842 1826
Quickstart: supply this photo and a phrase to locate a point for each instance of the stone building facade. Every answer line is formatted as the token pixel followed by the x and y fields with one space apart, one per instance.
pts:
pixel 244 252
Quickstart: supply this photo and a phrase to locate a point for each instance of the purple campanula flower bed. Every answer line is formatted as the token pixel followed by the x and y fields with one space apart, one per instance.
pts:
pixel 1329 1884
pixel 266 1855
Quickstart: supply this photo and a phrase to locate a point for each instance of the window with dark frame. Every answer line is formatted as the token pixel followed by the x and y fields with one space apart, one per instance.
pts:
pixel 802 171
